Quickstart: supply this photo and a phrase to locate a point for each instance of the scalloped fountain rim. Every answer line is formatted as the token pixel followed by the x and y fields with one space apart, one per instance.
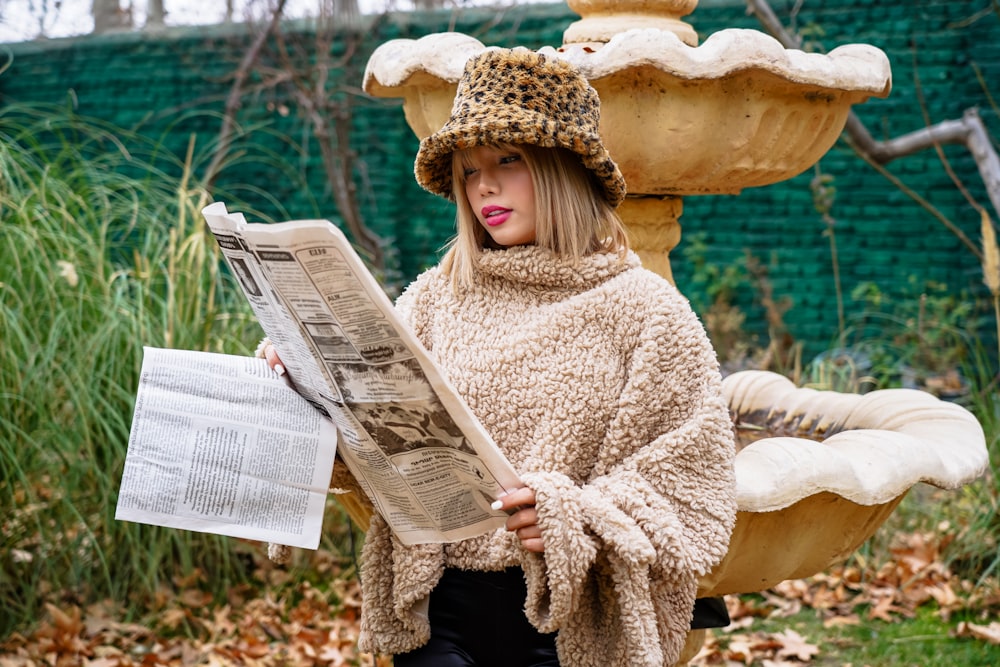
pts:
pixel 882 443
pixel 852 67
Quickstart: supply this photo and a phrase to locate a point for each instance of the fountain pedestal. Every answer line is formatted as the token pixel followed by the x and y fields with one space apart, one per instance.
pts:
pixel 654 229
pixel 600 20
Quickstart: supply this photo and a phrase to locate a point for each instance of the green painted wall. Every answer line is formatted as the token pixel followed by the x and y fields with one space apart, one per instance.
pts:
pixel 172 87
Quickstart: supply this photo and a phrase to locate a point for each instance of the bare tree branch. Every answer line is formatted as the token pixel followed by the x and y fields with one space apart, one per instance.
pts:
pixel 330 118
pixel 772 24
pixel 233 102
pixel 302 70
pixel 985 154
pixel 154 14
pixel 915 196
pixel 109 16
pixel 970 131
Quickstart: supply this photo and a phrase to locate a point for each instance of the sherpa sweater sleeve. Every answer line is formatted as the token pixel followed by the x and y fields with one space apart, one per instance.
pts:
pixel 661 506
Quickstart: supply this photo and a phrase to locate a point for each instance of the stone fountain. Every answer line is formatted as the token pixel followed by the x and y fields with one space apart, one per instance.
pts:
pixel 737 111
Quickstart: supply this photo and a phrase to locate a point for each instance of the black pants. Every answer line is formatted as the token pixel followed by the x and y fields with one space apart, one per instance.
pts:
pixel 477 620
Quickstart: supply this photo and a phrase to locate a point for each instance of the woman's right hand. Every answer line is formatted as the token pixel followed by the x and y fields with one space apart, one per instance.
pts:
pixel 524 518
pixel 273 360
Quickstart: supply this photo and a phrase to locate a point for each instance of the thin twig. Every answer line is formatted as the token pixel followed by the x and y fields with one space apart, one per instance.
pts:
pixel 926 205
pixel 235 98
pixel 331 122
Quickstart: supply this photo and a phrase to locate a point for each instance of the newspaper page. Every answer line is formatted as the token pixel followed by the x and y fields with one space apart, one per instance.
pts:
pixel 424 460
pixel 221 444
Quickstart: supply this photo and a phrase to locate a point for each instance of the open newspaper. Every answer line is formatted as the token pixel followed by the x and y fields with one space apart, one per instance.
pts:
pixel 424 460
pixel 222 444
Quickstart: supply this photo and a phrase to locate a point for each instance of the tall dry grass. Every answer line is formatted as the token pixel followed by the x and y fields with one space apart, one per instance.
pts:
pixel 102 251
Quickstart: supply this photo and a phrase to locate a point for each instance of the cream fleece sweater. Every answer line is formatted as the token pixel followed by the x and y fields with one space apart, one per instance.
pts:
pixel 599 384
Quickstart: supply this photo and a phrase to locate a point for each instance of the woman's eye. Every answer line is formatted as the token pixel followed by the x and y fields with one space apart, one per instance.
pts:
pixel 469 171
pixel 507 159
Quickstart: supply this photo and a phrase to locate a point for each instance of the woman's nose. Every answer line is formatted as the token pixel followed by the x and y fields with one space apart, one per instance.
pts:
pixel 488 183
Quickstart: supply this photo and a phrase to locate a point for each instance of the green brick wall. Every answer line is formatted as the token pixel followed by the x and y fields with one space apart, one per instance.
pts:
pixel 173 88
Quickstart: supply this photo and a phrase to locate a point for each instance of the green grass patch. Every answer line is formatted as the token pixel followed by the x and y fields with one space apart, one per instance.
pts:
pixel 926 640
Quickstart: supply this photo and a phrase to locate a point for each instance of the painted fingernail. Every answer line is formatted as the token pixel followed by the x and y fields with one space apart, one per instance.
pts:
pixel 279 369
pixel 497 504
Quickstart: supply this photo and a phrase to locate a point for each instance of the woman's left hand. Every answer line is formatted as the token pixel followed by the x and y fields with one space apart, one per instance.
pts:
pixel 524 520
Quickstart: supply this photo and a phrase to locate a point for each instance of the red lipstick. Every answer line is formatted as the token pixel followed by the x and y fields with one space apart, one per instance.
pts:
pixel 495 215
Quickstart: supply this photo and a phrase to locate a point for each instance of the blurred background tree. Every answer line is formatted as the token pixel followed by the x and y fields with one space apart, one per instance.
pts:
pixel 23 20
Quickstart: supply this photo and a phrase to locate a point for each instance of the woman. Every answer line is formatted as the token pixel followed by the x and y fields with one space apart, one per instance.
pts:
pixel 592 375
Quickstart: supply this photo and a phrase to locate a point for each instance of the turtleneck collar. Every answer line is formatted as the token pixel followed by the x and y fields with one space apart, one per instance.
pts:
pixel 533 265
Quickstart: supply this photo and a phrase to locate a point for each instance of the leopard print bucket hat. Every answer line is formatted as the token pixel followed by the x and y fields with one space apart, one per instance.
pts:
pixel 519 96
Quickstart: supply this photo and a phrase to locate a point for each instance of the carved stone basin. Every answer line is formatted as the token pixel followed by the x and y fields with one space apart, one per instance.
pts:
pixel 737 111
pixel 832 467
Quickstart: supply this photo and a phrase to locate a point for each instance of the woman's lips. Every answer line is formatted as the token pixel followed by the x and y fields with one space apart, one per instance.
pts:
pixel 495 215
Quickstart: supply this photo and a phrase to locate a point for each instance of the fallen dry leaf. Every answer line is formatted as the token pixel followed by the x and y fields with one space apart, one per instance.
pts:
pixel 795 646
pixel 839 621
pixel 989 633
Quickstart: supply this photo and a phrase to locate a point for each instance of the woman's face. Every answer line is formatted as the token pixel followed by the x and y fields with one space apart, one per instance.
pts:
pixel 501 194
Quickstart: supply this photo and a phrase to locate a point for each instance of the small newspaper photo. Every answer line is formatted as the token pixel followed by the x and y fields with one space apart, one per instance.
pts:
pixel 222 444
pixel 425 463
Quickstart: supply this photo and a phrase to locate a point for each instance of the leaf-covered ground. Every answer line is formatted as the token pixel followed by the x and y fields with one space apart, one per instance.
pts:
pixel 854 595
pixel 307 626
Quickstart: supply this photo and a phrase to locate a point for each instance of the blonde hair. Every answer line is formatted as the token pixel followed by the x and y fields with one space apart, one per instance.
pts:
pixel 572 219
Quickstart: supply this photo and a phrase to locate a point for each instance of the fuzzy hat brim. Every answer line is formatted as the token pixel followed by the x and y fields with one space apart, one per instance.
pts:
pixel 496 122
